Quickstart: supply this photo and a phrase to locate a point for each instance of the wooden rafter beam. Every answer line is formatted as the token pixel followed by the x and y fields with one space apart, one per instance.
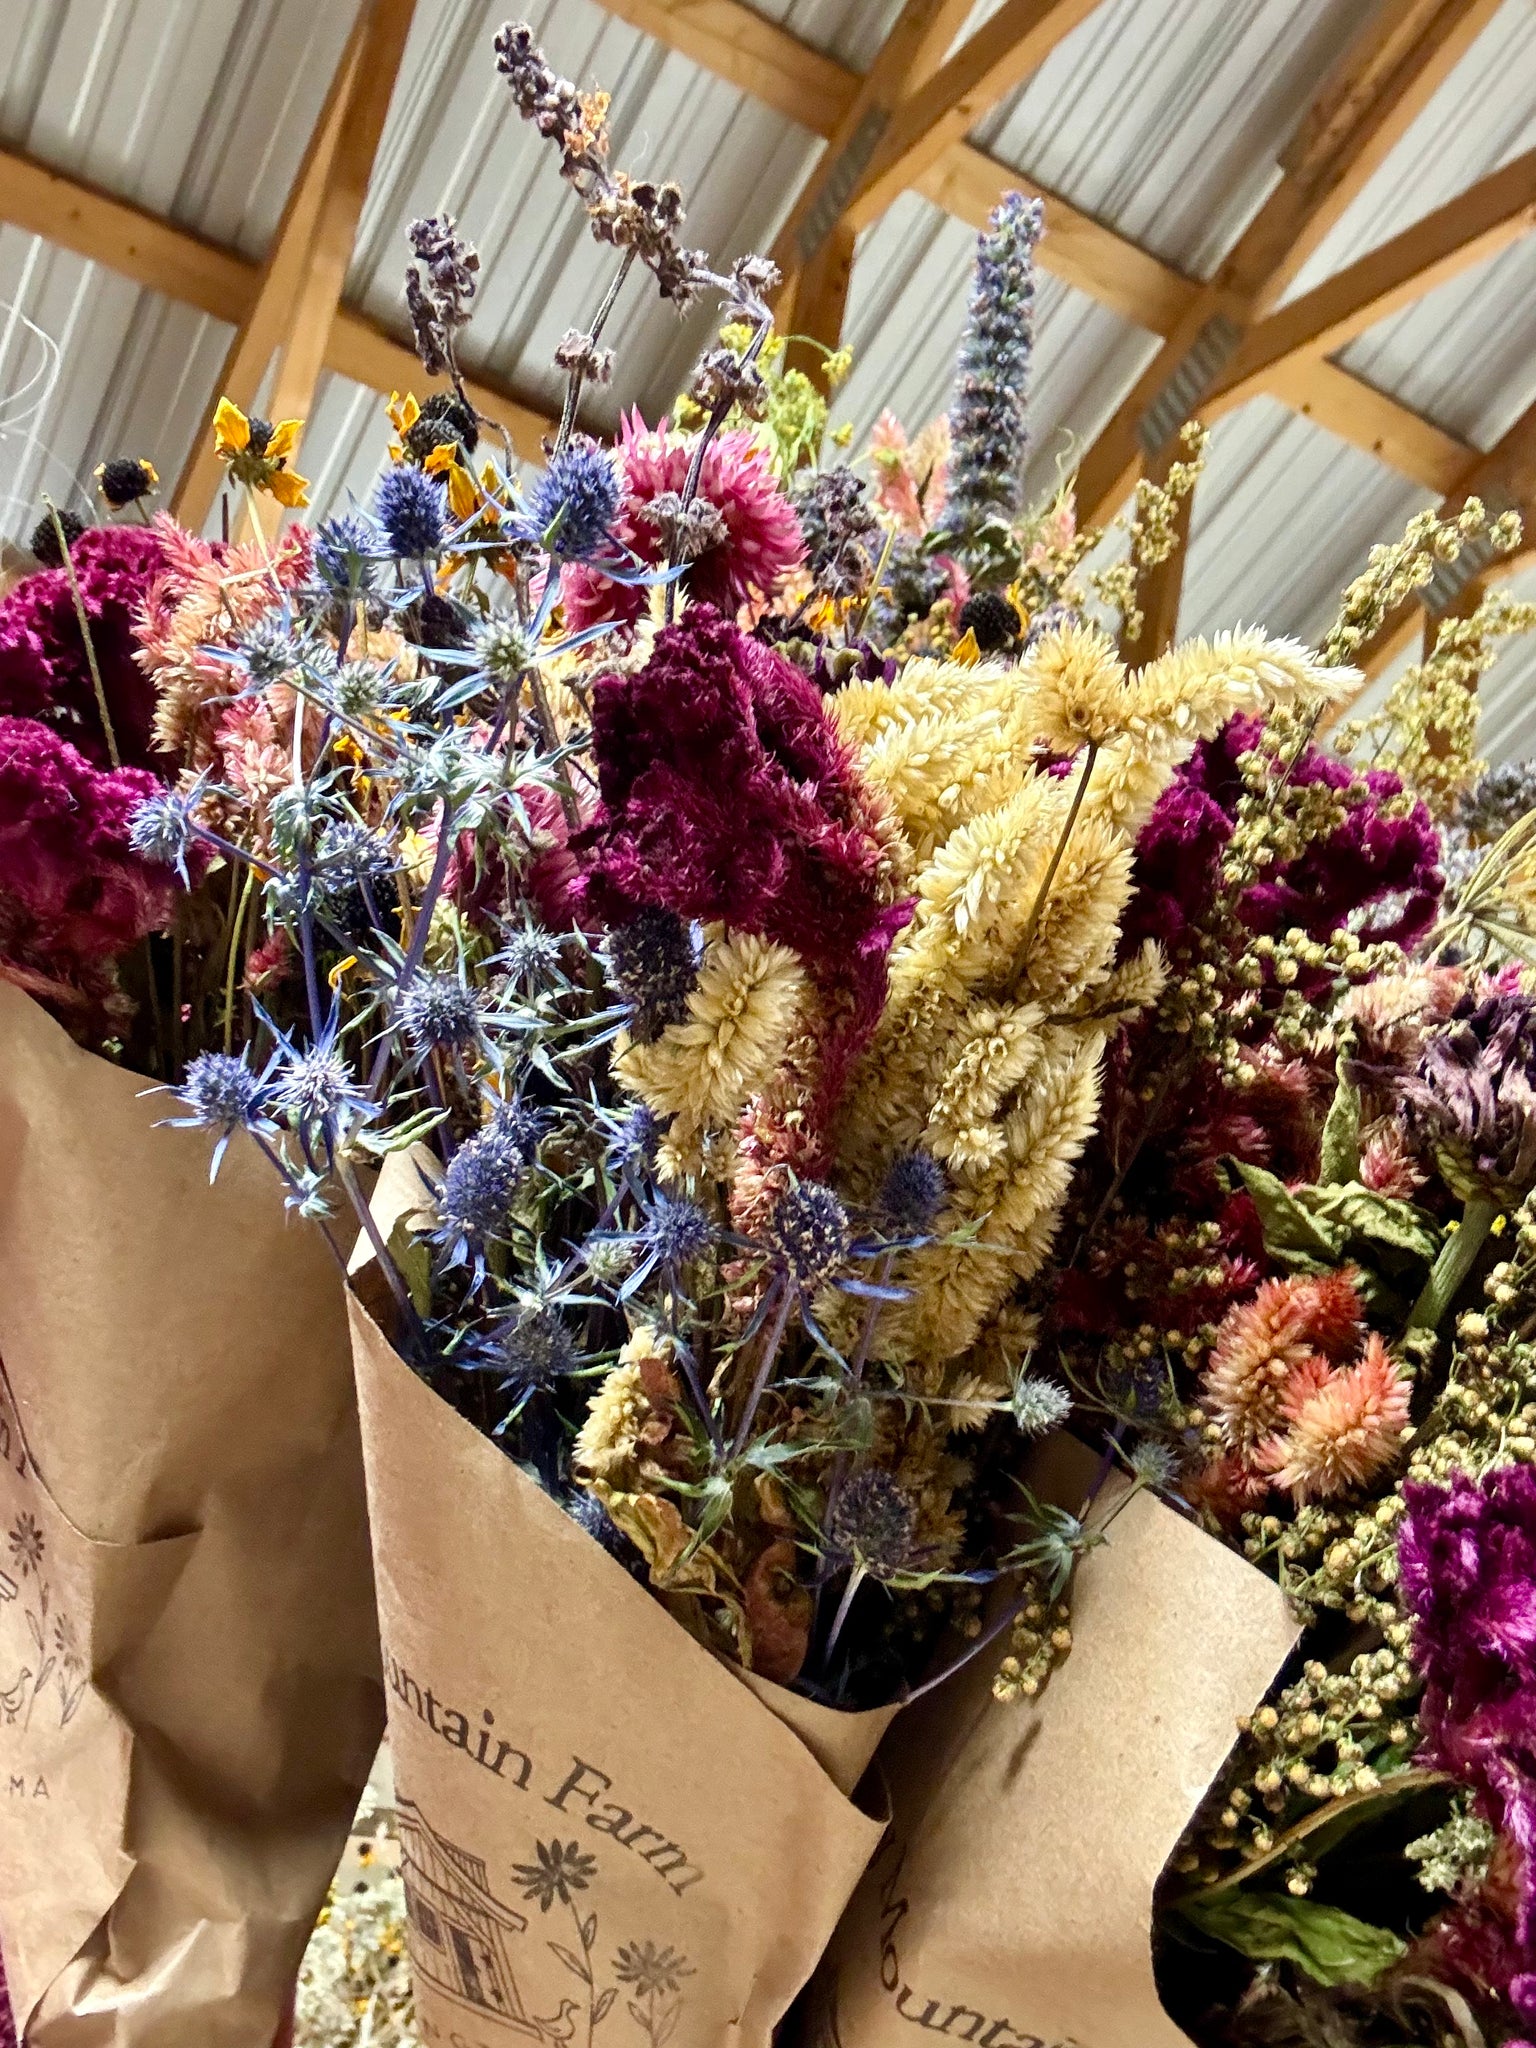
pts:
pixel 735 43
pixel 1008 47
pixel 1382 81
pixel 220 282
pixel 817 301
pixel 1470 229
pixel 908 57
pixel 729 39
pixel 290 314
pixel 1372 420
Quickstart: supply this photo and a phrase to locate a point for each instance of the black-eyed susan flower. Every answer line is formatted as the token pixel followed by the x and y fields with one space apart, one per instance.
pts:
pixel 257 453
pixel 463 491
pixel 126 481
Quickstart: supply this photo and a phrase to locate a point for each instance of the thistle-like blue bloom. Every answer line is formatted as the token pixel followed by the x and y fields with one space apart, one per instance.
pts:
pixel 911 1194
pixel 346 548
pixel 653 963
pixel 676 1231
pixel 637 1138
pixel 808 1233
pixel 161 828
pixel 987 422
pixel 520 1126
pixel 269 650
pixel 475 1197
pixel 439 1013
pixel 412 510
pixel 536 1351
pixel 352 854
pixel 530 958
pixel 221 1093
pixel 580 490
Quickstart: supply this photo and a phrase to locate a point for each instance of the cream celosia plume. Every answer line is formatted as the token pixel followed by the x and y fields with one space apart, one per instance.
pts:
pixel 741 1013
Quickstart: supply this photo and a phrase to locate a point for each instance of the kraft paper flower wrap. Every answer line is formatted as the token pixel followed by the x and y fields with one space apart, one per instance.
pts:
pixel 598 1816
pixel 188 1655
pixel 1011 1902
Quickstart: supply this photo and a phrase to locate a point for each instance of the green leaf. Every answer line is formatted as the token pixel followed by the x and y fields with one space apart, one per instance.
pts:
pixel 413 1256
pixel 1341 1135
pixel 1290 1233
pixel 1313 1228
pixel 1332 1946
pixel 1378 1219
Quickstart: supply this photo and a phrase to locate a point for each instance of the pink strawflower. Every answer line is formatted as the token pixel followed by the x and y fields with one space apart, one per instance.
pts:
pixel 762 542
pixel 44 671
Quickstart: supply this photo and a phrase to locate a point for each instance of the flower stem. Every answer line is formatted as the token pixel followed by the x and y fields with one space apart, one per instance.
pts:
pixel 771 1343
pixel 418 945
pixel 85 633
pixel 1454 1262
pixel 236 929
pixel 1078 794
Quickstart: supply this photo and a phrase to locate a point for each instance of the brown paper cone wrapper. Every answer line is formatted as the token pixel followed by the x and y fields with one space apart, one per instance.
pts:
pixel 1011 1904
pixel 189 1685
pixel 608 1837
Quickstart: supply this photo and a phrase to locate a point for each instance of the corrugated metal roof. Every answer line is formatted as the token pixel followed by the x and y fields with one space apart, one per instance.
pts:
pixel 1164 118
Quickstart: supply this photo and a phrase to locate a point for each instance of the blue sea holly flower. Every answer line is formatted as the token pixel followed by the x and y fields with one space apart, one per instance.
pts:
pixel 571 506
pixel 162 828
pixel 222 1094
pixel 475 1197
pixel 911 1194
pixel 412 510
pixel 439 1013
pixel 347 548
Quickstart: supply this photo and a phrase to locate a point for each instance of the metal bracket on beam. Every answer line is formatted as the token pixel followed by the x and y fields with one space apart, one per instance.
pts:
pixel 1179 399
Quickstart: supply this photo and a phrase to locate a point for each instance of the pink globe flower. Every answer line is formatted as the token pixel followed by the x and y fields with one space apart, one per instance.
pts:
pixel 762 543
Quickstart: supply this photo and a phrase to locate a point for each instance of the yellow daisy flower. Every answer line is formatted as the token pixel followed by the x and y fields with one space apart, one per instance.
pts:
pixel 257 452
pixel 463 493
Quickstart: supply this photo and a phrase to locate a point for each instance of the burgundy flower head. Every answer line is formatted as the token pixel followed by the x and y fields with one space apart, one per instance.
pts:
pixel 44 672
pixel 727 793
pixel 71 889
pixel 1369 862
pixel 1467 1572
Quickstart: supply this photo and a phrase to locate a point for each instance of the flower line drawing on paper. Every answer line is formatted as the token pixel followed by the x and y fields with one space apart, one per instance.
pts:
pixel 26 1544
pixel 653 1976
pixel 562 1869
pixel 463 1941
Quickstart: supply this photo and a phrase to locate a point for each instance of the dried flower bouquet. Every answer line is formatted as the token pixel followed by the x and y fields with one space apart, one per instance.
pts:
pixel 822 1025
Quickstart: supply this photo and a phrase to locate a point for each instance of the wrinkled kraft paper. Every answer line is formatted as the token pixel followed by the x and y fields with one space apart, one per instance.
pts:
pixel 1011 1904
pixel 606 1836
pixel 189 1677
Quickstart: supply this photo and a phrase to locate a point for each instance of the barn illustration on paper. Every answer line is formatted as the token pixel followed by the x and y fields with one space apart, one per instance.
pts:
pixel 459 1930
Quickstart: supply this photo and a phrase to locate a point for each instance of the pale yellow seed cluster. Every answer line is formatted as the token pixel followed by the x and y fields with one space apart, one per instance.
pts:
pixel 702 1072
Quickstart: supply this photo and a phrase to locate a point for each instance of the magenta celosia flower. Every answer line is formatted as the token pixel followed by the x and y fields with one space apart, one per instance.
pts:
pixel 1370 861
pixel 1467 1564
pixel 726 793
pixel 762 541
pixel 72 889
pixel 44 673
